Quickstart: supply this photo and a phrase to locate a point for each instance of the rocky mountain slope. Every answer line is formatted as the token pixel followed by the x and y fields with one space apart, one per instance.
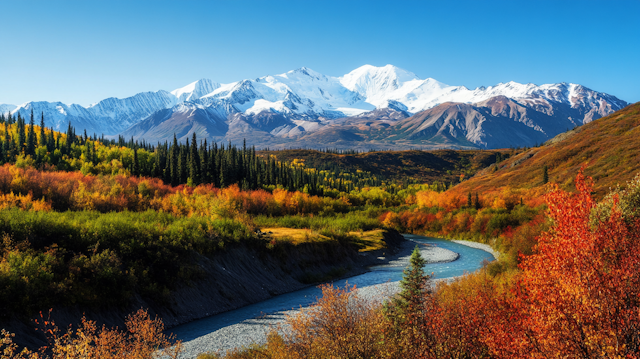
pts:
pixel 608 148
pixel 370 107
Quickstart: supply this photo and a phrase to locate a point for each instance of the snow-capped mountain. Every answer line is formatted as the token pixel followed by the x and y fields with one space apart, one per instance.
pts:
pixel 286 107
pixel 195 90
pixel 380 84
pixel 4 108
pixel 109 116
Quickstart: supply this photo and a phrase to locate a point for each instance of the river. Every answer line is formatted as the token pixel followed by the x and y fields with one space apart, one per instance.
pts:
pixel 240 327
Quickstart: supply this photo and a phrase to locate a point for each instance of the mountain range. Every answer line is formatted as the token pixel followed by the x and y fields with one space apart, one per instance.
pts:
pixel 368 108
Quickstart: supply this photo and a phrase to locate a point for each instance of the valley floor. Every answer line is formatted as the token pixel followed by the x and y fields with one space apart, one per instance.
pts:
pixel 255 330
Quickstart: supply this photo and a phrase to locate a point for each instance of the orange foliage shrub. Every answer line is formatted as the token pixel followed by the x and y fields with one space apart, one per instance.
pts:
pixel 446 200
pixel 339 325
pixel 579 294
pixel 63 191
pixel 23 202
pixel 144 338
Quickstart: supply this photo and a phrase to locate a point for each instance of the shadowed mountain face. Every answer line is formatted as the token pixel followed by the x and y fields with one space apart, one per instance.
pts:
pixel 162 125
pixel 498 122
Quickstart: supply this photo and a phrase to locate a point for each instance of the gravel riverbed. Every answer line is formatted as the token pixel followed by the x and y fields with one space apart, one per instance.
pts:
pixel 484 247
pixel 255 330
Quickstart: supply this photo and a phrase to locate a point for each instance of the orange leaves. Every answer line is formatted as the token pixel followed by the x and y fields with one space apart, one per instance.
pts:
pixel 446 200
pixel 427 199
pixel 144 338
pixel 340 325
pixel 26 203
pixel 73 190
pixel 579 294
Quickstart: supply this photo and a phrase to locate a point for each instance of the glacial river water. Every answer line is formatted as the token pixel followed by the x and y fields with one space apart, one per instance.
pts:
pixel 470 260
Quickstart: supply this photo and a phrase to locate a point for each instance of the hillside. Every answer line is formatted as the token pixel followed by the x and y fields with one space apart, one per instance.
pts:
pixel 608 147
pixel 422 166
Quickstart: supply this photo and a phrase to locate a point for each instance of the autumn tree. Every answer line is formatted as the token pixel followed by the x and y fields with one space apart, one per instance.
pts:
pixel 579 293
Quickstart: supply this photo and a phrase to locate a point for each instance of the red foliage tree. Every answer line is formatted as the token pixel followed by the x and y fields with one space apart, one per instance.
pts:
pixel 579 293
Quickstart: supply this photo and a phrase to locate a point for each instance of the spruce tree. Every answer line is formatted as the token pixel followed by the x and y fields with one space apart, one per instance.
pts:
pixel 173 160
pixel 477 204
pixel 6 145
pixel 31 137
pixel 51 142
pixel 414 282
pixel 22 137
pixel 182 163
pixel 43 138
pixel 194 162
pixel 408 306
pixel 223 170
pixel 545 175
pixel 136 166
pixel 204 163
pixel 87 153
pixel 69 141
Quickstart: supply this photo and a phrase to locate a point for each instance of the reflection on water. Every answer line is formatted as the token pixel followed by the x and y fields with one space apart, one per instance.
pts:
pixel 470 260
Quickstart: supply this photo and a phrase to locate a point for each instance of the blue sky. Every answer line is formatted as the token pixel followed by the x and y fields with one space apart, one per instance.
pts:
pixel 85 51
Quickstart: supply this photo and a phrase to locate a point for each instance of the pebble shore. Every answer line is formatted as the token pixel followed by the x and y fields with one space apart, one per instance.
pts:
pixel 255 330
pixel 484 247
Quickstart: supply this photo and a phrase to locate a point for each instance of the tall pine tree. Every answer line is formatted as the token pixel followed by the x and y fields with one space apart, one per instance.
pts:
pixel 173 160
pixel 43 138
pixel 22 137
pixel 31 137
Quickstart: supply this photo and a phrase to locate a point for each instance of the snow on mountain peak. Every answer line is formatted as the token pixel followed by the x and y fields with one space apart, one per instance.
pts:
pixel 374 82
pixel 5 108
pixel 195 90
pixel 306 93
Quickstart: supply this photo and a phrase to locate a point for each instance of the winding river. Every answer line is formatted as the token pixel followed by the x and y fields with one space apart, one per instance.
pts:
pixel 239 327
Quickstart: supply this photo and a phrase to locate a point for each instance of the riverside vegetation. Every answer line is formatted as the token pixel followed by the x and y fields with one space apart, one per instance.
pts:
pixel 80 214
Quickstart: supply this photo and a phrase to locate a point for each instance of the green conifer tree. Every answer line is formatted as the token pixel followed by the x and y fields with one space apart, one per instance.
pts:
pixel 204 163
pixel 136 166
pixel 194 162
pixel 223 170
pixel 22 137
pixel 6 145
pixel 182 163
pixel 173 160
pixel 414 281
pixel 31 137
pixel 43 138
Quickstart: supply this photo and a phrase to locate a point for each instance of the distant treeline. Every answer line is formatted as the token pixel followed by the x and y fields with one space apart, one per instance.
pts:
pixel 193 162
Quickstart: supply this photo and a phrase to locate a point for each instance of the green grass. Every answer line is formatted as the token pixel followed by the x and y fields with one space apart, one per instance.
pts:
pixel 349 222
pixel 90 258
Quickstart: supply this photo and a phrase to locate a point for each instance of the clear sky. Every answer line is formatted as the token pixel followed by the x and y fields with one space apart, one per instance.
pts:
pixel 85 51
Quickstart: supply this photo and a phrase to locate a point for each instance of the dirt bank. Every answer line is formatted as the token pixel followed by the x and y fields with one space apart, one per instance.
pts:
pixel 239 276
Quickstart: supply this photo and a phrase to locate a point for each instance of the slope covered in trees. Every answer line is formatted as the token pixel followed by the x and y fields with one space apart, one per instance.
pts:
pixel 175 163
pixel 609 148
pixel 445 166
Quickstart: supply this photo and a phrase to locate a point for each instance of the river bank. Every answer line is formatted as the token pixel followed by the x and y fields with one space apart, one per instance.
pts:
pixel 238 276
pixel 484 247
pixel 255 329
